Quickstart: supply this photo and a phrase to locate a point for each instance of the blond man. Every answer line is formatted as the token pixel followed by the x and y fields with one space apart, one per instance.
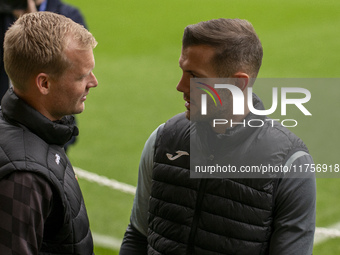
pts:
pixel 49 59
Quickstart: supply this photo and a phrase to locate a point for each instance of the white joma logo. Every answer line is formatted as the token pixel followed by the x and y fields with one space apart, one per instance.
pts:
pixel 179 154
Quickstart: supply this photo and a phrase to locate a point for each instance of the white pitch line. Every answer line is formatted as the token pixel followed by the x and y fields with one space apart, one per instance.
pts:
pixel 106 241
pixel 323 234
pixel 104 181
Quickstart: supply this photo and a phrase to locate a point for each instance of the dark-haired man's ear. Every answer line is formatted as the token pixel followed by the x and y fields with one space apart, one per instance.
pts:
pixel 42 81
pixel 242 80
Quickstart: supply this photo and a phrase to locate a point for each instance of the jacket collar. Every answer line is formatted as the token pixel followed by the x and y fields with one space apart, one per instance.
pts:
pixel 16 111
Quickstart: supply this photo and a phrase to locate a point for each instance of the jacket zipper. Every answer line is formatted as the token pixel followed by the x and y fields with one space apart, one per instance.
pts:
pixel 198 207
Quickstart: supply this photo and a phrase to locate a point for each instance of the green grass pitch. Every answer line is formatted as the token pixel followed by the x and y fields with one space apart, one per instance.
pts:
pixel 137 69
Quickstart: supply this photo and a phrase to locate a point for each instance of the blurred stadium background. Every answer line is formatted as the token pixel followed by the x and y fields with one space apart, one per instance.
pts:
pixel 137 69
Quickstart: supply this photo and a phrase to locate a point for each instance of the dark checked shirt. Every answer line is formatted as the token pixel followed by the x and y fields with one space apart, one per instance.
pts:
pixel 26 201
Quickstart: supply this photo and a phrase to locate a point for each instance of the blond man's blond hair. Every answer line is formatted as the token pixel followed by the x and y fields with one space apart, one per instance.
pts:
pixel 35 43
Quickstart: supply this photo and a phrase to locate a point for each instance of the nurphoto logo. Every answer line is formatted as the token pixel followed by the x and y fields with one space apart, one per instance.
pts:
pixel 233 101
pixel 263 128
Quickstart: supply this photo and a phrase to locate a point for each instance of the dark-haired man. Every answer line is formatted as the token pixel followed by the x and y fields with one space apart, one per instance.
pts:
pixel 175 214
